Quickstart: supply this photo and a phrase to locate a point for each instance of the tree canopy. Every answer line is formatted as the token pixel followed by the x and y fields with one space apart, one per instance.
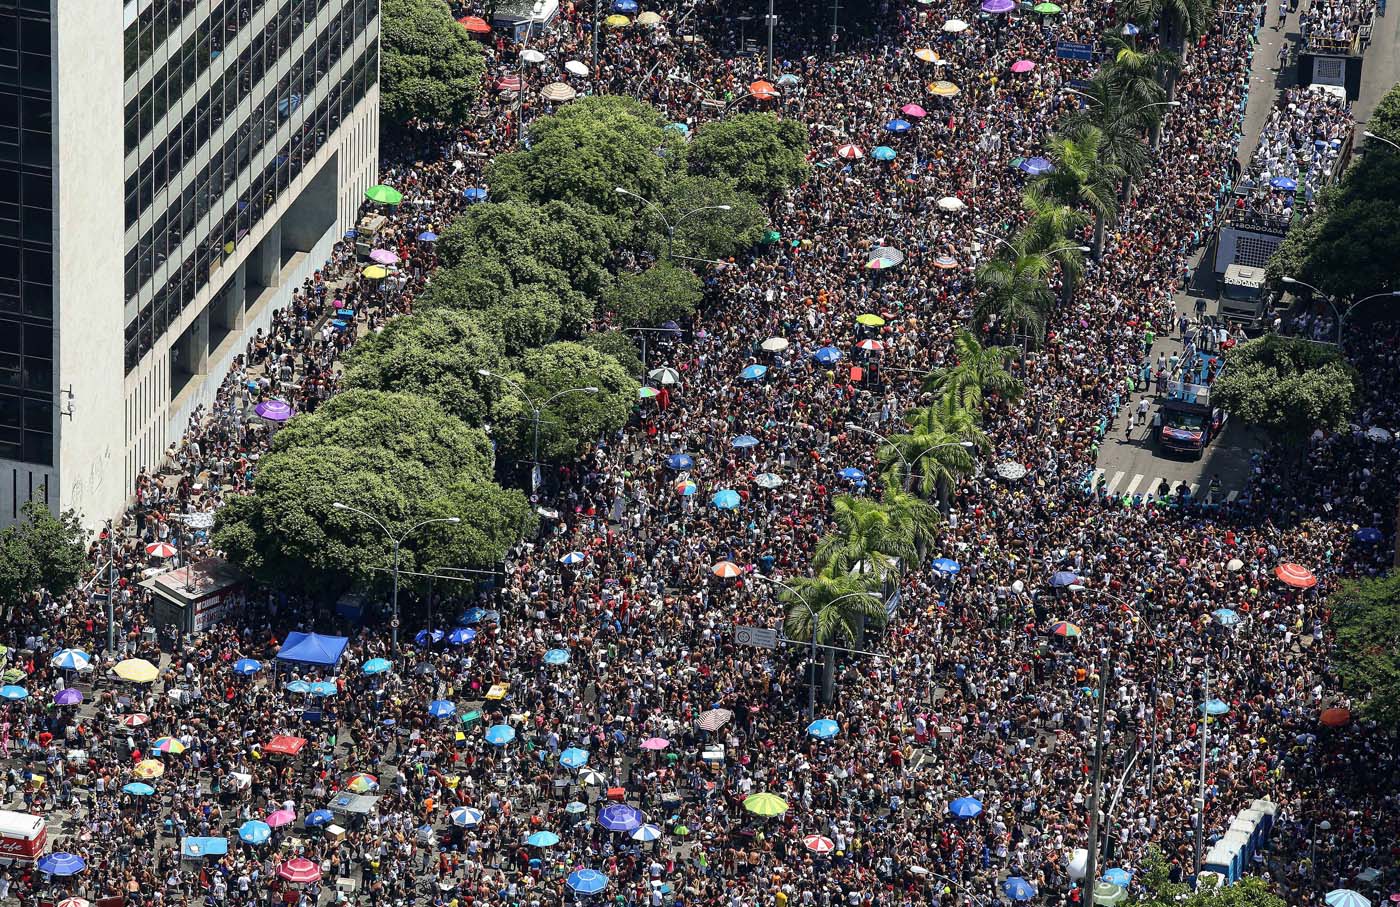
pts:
pixel 761 153
pixel 41 552
pixel 659 294
pixel 431 68
pixel 711 234
pixel 1366 619
pixel 1287 385
pixel 520 238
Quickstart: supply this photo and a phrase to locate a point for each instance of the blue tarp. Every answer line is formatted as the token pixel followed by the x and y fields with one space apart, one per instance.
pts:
pixel 195 848
pixel 312 648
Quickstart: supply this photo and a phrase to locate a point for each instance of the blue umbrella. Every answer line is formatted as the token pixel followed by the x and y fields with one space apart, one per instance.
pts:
pixel 500 735
pixel 646 833
pixel 71 660
pixel 461 636
pixel 827 355
pixel 573 557
pixel 680 462
pixel 13 693
pixel 319 818
pixel 753 372
pixel 441 708
pixel 246 666
pixel 473 616
pixel 965 807
pixel 1064 578
pixel 574 808
pixel 474 194
pixel 573 757
pixel 1342 897
pixel 945 566
pixel 427 236
pixel 1130 29
pixel 1035 166
pixel 898 127
pixel 619 817
pixel 744 441
pixel 542 839
pixel 851 473
pixel 682 128
pixel 556 657
pixel 586 881
pixel 883 153
pixel 1284 183
pixel 1215 707
pixel 62 864
pixel 824 728
pixel 254 832
pixel 324 688
pixel 624 6
pixel 1368 536
pixel 428 637
pixel 138 789
pixel 298 686
pixel 376 666
pixel 465 817
pixel 1018 889
pixel 1117 876
pixel 789 78
pixel 724 499
pixel 1226 616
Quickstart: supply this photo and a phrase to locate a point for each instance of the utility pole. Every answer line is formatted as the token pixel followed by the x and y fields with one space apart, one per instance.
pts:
pixel 770 40
pixel 111 586
pixel 1091 864
pixel 596 5
pixel 835 6
pixel 1201 781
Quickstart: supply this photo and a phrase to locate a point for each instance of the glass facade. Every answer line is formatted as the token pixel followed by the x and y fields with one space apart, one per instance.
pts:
pixel 240 177
pixel 26 232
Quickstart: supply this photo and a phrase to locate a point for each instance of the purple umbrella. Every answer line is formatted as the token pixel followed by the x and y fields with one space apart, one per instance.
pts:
pixel 385 257
pixel 998 6
pixel 1035 166
pixel 275 410
pixel 69 696
pixel 619 817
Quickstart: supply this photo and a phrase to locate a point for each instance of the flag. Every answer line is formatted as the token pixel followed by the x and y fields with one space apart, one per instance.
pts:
pixel 892 604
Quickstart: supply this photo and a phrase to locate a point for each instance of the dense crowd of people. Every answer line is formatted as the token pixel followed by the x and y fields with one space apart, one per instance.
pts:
pixel 628 653
pixel 1298 147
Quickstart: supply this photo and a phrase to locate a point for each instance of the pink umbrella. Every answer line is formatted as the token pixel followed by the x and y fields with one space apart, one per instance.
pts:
pixel 300 870
pixel 1022 66
pixel 655 743
pixel 160 549
pixel 384 257
pixel 914 111
pixel 280 817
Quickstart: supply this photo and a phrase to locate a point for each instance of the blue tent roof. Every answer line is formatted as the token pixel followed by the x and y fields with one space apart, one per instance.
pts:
pixel 194 848
pixel 312 648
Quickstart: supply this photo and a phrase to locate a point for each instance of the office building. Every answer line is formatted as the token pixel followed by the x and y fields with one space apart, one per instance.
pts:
pixel 170 170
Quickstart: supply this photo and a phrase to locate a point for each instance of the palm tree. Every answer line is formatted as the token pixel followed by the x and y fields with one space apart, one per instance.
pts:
pixel 833 606
pixel 917 517
pixel 1122 120
pixel 1053 229
pixel 1134 73
pixel 1014 290
pixel 1082 177
pixel 1181 19
pixel 932 451
pixel 866 532
pixel 980 371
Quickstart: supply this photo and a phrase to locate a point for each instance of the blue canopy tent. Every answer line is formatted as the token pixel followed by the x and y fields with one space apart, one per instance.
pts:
pixel 312 649
pixel 195 848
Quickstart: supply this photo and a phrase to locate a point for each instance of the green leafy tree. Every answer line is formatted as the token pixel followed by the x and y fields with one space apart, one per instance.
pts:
pixel 914 516
pixel 980 372
pixel 520 316
pixel 41 552
pixel 1053 230
pixel 867 532
pixel 761 153
pixel 1181 19
pixel 617 344
pixel 1385 119
pixel 708 234
pixel 1158 890
pixel 19 570
pixel 836 605
pixel 1013 289
pixel 430 70
pixel 659 294
pixel 1134 73
pixel 1366 619
pixel 568 419
pixel 1287 385
pixel 434 354
pixel 1082 177
pixel 1122 118
pixel 931 453
pixel 521 236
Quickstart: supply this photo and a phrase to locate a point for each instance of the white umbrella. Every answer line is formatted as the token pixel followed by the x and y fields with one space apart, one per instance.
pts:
pixel 1376 433
pixel 530 55
pixel 576 67
pixel 591 777
pixel 951 203
pixel 768 480
pixel 953 26
pixel 1234 564
pixel 665 375
pixel 775 344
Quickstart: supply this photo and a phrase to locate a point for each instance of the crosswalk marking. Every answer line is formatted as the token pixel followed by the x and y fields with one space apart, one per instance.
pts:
pixel 1138 484
pixel 1113 482
pixel 1132 486
pixel 1231 496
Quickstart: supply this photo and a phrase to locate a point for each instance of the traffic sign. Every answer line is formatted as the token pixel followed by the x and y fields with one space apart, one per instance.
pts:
pixel 1072 50
pixel 760 637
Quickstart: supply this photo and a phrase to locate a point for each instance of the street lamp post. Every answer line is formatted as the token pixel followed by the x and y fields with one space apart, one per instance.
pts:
pixel 771 18
pixel 1380 138
pixel 1096 788
pixel 535 12
pixel 908 464
pixel 398 542
pixel 538 408
pixel 670 227
pixel 1340 314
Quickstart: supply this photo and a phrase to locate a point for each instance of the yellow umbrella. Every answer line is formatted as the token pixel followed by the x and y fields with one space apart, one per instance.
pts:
pixel 136 670
pixel 375 272
pixel 617 21
pixel 649 19
pixel 944 89
pixel 148 768
pixel 765 804
pixel 870 321
pixel 927 55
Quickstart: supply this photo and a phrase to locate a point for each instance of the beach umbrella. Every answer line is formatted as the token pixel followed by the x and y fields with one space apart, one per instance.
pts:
pixel 819 844
pixel 500 734
pixel 61 863
pixel 883 153
pixel 763 91
pixel 685 488
pixel 441 708
pixel 775 344
pixel 461 636
pixel 384 195
pixel 870 320
pixel 624 6
pixel 945 262
pixel 870 345
pixel 376 666
pixel 300 870
pixel 789 78
pixel 319 818
pixel 298 686
pixel 898 127
pixel 744 442
pixel 361 783
pixel 475 24
pixel 927 55
pixel 558 92
pixel 280 817
pixel 13 693
pixel 1022 66
pixel 753 372
pixel 1047 9
pixel 1066 629
pixel 161 549
pixel 1296 575
pixel 586 881
pixel 646 392
pixel 852 474
pixel 680 461
pixel 1234 565
pixel 71 660
pixel 247 666
pixel 576 68
pixel 590 777
pixel 965 807
pixel 573 557
pixel 1215 707
pixel 828 355
pixel 954 26
pixel 428 637
pixel 274 410
pixel 1335 717
pixel 895 256
pixel 767 480
pixel 254 832
pixel 138 789
pixel 1287 185
pixel 465 817
pixel 135 719
pixel 1345 897
pixel 324 688
pixel 1010 470
pixel 1063 578
pixel 913 111
pixel 74 902
pixel 617 21
pixel 850 152
pixel 542 839
pixel 765 804
pixel 573 757
pixel 1108 893
pixel 1378 434
pixel 726 570
pixel 619 817
pixel 383 256
pixel 881 263
pixel 1368 536
pixel 575 808
pixel 726 499
pixel 1035 166
pixel 823 729
pixel 943 89
pixel 646 833
pixel 68 696
pixel 1226 617
pixel 1017 888
pixel 655 743
pixel 556 657
pixel 996 7
pixel 945 566
pixel 1116 876
pixel 714 719
pixel 664 375
pixel 375 272
pixel 168 745
pixel 474 194
pixel 951 203
pixel 1130 29
pixel 147 769
pixel 427 236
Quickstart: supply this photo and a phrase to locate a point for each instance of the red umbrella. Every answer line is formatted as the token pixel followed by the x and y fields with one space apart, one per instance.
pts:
pixel 135 720
pixel 726 570
pixel 285 744
pixel 300 869
pixel 475 24
pixel 1335 717
pixel 160 549
pixel 1296 575
pixel 764 91
pixel 819 844
pixel 508 83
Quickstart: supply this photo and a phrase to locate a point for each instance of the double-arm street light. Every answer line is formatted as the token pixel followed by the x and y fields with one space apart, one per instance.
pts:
pixel 537 408
pixel 1341 314
pixel 1014 251
pixel 1380 138
pixel 908 463
pixel 670 227
pixel 398 540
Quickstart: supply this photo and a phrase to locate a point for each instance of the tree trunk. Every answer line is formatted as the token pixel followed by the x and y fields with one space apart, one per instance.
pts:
pixel 828 675
pixel 1098 235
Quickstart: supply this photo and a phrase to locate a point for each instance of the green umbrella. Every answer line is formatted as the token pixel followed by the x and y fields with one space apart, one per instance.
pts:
pixel 772 236
pixel 765 804
pixel 1048 9
pixel 681 830
pixel 385 195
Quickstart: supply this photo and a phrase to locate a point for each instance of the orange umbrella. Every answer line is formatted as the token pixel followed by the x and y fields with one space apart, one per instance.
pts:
pixel 764 91
pixel 1335 717
pixel 725 570
pixel 1296 575
pixel 475 24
